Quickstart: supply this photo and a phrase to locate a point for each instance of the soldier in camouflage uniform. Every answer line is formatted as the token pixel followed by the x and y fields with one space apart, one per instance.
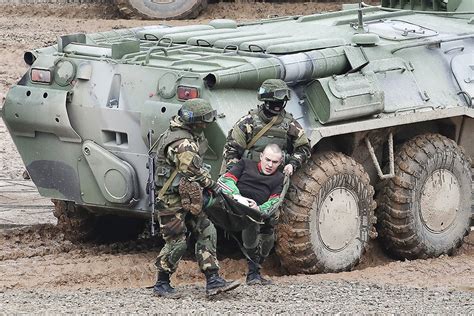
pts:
pixel 247 140
pixel 285 131
pixel 178 160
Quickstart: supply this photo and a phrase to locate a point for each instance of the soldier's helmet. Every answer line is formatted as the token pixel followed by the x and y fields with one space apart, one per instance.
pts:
pixel 273 90
pixel 196 111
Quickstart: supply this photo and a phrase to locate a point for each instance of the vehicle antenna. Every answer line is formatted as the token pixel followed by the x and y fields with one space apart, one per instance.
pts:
pixel 360 25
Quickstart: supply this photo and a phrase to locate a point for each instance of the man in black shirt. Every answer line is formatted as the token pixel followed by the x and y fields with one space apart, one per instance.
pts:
pixel 258 185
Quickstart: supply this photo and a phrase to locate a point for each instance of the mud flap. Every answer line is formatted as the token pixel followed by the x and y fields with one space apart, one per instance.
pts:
pixel 29 110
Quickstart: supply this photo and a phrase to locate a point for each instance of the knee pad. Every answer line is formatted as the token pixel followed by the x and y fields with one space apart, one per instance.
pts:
pixel 207 238
pixel 250 236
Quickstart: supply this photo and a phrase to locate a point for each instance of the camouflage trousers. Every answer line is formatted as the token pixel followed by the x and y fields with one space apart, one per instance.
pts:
pixel 258 240
pixel 175 223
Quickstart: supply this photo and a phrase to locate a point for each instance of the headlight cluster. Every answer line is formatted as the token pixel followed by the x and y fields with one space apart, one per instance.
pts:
pixel 63 73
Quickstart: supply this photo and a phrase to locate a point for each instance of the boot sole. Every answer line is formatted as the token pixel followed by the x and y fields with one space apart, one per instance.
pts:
pixel 173 296
pixel 231 286
pixel 254 282
pixel 259 282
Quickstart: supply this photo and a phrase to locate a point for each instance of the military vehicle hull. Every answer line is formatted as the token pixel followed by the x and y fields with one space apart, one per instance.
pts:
pixel 386 101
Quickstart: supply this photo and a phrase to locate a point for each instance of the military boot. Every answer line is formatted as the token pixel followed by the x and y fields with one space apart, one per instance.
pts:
pixel 215 284
pixel 253 275
pixel 163 287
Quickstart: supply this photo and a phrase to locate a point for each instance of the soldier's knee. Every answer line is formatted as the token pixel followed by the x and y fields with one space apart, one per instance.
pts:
pixel 204 228
pixel 204 223
pixel 178 248
pixel 172 227
pixel 208 235
pixel 250 236
pixel 267 230
pixel 267 238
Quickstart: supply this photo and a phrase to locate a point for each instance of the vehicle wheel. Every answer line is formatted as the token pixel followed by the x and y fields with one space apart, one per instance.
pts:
pixel 161 10
pixel 327 217
pixel 76 222
pixel 424 211
pixel 79 224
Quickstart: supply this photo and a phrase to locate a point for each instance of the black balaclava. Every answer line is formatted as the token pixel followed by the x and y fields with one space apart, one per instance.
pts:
pixel 272 108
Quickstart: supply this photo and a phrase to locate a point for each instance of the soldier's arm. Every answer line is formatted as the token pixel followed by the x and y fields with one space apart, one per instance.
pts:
pixel 301 149
pixel 265 207
pixel 188 162
pixel 237 140
pixel 229 180
pixel 273 199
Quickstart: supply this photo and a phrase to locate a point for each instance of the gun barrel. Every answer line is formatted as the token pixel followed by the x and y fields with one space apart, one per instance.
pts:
pixel 290 68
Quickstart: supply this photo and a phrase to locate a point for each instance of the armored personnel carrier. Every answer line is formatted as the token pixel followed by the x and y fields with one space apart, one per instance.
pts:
pixel 384 94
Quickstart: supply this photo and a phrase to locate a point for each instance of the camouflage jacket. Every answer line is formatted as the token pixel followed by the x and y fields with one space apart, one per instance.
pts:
pixel 181 148
pixel 286 132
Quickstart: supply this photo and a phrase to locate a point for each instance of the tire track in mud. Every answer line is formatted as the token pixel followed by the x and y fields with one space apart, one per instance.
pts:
pixel 47 239
pixel 40 257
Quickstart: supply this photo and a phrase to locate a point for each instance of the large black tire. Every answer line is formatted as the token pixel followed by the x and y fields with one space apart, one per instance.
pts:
pixel 424 211
pixel 75 222
pixel 327 217
pixel 79 224
pixel 165 10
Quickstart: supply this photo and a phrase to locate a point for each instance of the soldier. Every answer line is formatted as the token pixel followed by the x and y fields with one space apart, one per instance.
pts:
pixel 179 152
pixel 269 123
pixel 261 184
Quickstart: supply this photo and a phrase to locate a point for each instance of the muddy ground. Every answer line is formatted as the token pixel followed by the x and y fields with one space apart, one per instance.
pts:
pixel 41 271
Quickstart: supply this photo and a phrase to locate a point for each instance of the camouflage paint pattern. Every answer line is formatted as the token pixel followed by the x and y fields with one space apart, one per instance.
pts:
pixel 185 155
pixel 112 88
pixel 175 221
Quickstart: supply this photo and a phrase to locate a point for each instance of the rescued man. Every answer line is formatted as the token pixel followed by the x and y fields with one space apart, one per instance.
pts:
pixel 260 183
pixel 269 123
pixel 179 160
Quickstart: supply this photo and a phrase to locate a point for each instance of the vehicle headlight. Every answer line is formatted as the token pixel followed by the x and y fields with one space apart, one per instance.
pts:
pixel 64 72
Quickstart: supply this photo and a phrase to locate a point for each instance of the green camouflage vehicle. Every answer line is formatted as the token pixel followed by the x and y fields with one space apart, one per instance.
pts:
pixel 385 96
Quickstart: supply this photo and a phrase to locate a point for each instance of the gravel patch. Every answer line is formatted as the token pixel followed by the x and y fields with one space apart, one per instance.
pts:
pixel 322 297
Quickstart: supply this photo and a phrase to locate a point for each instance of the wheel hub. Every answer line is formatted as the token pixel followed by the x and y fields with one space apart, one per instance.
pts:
pixel 440 200
pixel 339 219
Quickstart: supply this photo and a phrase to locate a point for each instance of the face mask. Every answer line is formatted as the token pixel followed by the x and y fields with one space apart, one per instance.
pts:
pixel 199 128
pixel 275 107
